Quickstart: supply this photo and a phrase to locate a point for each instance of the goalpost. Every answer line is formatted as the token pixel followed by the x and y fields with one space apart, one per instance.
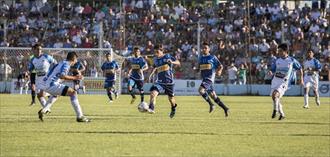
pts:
pixel 18 59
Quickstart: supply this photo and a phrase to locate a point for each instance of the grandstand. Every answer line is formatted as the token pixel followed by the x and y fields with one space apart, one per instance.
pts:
pixel 233 38
pixel 243 34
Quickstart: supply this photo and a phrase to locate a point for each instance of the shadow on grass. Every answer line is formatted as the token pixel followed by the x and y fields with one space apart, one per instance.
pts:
pixel 298 123
pixel 139 132
pixel 185 133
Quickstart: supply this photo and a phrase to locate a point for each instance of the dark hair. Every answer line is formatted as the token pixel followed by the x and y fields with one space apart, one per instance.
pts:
pixel 108 54
pixel 159 47
pixel 283 46
pixel 136 48
pixel 205 44
pixel 35 46
pixel 310 50
pixel 71 55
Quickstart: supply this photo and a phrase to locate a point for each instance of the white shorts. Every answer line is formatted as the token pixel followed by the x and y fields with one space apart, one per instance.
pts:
pixel 279 85
pixel 311 81
pixel 57 89
pixel 40 84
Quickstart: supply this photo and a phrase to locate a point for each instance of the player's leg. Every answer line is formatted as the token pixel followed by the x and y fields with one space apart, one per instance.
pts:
pixel 26 87
pixel 107 86
pixel 113 89
pixel 75 104
pixel 109 93
pixel 154 91
pixel 204 94
pixel 76 85
pixel 275 97
pixel 140 87
pixel 169 90
pixel 130 85
pixel 41 98
pixel 277 105
pixel 33 88
pixel 219 102
pixel 306 95
pixel 316 92
pixel 51 100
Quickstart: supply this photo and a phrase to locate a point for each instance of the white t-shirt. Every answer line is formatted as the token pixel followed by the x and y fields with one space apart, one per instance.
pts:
pixel 232 73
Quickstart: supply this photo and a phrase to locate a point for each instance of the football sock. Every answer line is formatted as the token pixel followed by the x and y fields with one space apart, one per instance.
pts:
pixel 317 100
pixel 76 106
pixel 33 94
pixel 42 101
pixel 280 109
pixel 206 98
pixel 275 104
pixel 151 106
pixel 132 94
pixel 20 90
pixel 306 99
pixel 174 107
pixel 142 95
pixel 49 103
pixel 109 95
pixel 221 104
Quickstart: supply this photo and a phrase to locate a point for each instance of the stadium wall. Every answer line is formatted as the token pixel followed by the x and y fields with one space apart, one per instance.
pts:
pixel 186 87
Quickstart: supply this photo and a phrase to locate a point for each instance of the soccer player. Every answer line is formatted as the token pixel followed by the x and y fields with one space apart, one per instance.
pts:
pixel 109 69
pixel 135 73
pixel 40 63
pixel 282 69
pixel 163 67
pixel 23 81
pixel 77 69
pixel 210 66
pixel 312 67
pixel 53 85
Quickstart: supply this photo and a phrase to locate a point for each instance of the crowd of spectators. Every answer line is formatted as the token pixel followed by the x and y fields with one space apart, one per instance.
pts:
pixel 245 47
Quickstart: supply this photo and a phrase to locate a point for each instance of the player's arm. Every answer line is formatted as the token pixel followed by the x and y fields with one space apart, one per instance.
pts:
pixel 83 68
pixel 297 66
pixel 272 68
pixel 152 74
pixel 218 65
pixel 145 67
pixel 219 70
pixel 117 68
pixel 173 60
pixel 64 74
pixel 318 66
pixel 31 66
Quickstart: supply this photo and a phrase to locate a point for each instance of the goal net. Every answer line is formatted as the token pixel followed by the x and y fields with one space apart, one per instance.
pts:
pixel 15 61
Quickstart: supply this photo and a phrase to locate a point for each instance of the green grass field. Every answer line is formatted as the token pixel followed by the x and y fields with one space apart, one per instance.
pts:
pixel 118 129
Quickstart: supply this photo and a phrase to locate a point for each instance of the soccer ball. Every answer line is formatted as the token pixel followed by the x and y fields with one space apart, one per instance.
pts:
pixel 143 107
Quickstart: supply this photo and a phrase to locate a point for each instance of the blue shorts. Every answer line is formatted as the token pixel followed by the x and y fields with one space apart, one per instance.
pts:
pixel 168 89
pixel 109 84
pixel 208 86
pixel 135 83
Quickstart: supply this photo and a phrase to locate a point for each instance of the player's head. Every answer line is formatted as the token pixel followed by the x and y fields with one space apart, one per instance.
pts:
pixel 108 56
pixel 205 48
pixel 159 51
pixel 310 54
pixel 136 51
pixel 72 57
pixel 283 50
pixel 36 49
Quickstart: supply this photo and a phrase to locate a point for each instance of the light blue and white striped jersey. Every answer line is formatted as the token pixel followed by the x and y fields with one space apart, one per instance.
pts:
pixel 41 64
pixel 283 67
pixel 54 74
pixel 311 64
